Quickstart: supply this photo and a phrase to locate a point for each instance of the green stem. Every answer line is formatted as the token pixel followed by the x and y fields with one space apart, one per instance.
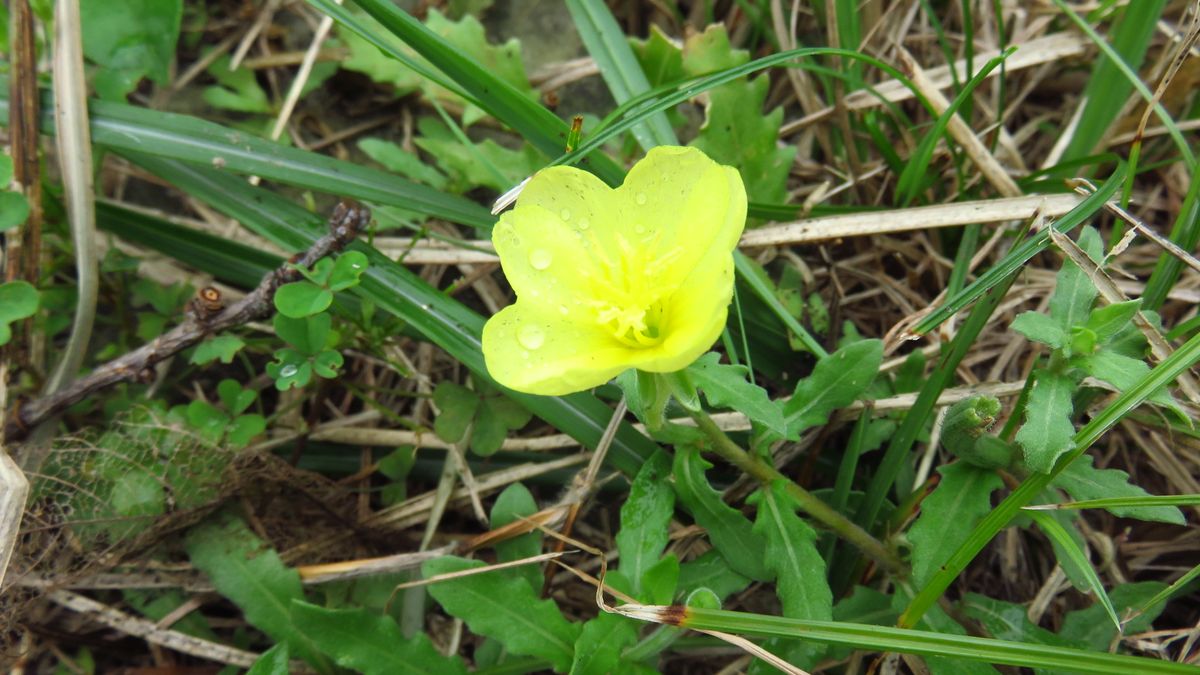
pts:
pixel 765 473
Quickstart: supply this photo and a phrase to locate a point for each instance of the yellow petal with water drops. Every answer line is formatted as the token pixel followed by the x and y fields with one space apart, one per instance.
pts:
pixel 637 277
pixel 533 349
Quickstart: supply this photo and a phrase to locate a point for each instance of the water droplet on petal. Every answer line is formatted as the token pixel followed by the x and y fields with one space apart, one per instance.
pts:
pixel 524 354
pixel 288 371
pixel 562 309
pixel 531 337
pixel 565 214
pixel 640 198
pixel 540 258
pixel 639 228
pixel 584 224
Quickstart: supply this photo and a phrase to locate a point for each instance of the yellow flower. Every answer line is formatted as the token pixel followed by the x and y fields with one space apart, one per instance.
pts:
pixel 609 279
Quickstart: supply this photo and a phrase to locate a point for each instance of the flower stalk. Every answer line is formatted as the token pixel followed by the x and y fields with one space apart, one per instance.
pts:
pixel 812 505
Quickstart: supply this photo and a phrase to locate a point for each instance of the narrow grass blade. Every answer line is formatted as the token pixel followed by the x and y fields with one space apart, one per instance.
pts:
pixel 1186 234
pixel 1162 375
pixel 1022 253
pixel 1121 502
pixel 1108 85
pixel 182 137
pixel 889 639
pixel 1053 529
pixel 760 288
pixel 606 42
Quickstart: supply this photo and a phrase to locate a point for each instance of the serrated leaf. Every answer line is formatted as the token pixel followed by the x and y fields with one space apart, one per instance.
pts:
pixel 948 515
pixel 274 661
pixel 1073 290
pixel 736 130
pixel 1109 320
pixel 645 519
pixel 1089 627
pixel 600 643
pixel 236 90
pixel 1124 372
pixel 398 160
pixel 219 348
pixel 506 609
pixel 1048 430
pixel 731 533
pixel 713 572
pixel 251 575
pixel 792 555
pixel 484 164
pixel 456 408
pixel 301 299
pixel 371 643
pixel 727 386
pixel 515 503
pixel 1083 481
pixel 837 381
pixel 1040 328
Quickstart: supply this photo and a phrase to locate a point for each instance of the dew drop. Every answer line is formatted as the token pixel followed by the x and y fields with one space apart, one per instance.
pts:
pixel 640 198
pixel 540 258
pixel 639 228
pixel 530 336
pixel 524 354
pixel 562 309
pixel 584 224
pixel 288 371
pixel 565 214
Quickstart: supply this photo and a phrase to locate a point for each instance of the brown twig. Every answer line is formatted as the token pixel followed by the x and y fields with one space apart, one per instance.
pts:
pixel 205 317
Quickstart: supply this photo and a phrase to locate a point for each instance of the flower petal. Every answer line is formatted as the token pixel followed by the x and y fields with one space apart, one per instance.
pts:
pixel 534 349
pixel 682 203
pixel 696 316
pixel 544 260
pixel 578 198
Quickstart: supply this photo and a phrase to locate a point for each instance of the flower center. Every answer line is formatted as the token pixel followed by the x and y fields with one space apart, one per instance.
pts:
pixel 631 294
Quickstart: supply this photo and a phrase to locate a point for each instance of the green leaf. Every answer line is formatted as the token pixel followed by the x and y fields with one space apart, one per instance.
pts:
pixel 138 493
pixel 837 381
pixel 274 661
pixel 1109 320
pixel 497 415
pixel 660 580
pixel 731 533
pixel 6 162
pixel 251 575
pixel 713 572
pixel 291 369
pixel 14 209
pixel 244 429
pixel 1123 372
pixel 727 386
pixel 456 408
pixel 1046 434
pixel 347 270
pixel 471 165
pixel 398 160
pixel 1073 290
pixel 1008 621
pixel 207 420
pixel 371 643
pixel 506 609
pixel 736 130
pixel 327 363
pixel 646 519
pixel 601 642
pixel 235 399
pixel 301 299
pixel 134 35
pixel 1075 557
pixel 1040 328
pixel 792 555
pixel 1090 628
pixel 220 347
pixel 18 300
pixel 235 90
pixel 948 514
pixel 1083 481
pixel 308 335
pixel 515 503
